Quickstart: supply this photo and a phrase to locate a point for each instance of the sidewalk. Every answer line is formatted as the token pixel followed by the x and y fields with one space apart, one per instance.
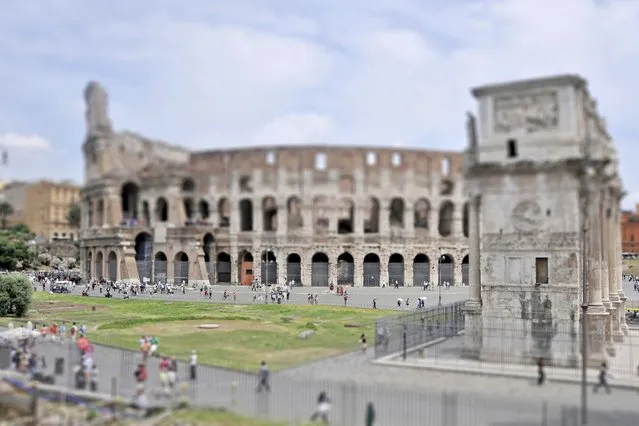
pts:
pixel 553 374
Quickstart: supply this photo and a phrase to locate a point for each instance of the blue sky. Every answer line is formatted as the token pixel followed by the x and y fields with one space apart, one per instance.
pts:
pixel 213 73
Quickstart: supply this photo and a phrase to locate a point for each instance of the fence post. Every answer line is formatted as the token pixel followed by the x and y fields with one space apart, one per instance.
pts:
pixel 114 396
pixel 404 343
pixel 35 398
pixel 544 413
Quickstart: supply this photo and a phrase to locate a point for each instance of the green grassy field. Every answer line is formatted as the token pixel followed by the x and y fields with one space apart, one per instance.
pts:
pixel 631 266
pixel 247 333
pixel 195 417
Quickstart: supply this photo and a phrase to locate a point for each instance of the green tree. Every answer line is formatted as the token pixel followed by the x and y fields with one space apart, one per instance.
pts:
pixel 6 210
pixel 15 294
pixel 74 217
pixel 14 250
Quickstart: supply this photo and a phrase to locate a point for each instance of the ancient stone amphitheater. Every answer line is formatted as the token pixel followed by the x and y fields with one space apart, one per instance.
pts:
pixel 313 215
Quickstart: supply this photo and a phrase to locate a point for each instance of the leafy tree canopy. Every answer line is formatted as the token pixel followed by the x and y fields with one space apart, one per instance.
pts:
pixel 15 294
pixel 74 217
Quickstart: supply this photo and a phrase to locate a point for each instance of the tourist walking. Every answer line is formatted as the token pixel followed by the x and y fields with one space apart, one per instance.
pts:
pixel 263 378
pixel 541 374
pixel 603 379
pixel 323 408
pixel 370 414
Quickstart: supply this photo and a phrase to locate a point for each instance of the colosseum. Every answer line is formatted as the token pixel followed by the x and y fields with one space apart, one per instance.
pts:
pixel 363 216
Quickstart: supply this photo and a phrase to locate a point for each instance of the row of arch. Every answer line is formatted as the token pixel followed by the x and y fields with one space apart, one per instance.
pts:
pixel 153 266
pixel 200 211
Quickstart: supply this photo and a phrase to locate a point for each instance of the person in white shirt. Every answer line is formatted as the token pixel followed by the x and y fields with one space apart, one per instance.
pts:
pixel 193 366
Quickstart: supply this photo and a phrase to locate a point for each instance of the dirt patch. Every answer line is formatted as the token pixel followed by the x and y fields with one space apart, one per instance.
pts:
pixel 179 327
pixel 56 307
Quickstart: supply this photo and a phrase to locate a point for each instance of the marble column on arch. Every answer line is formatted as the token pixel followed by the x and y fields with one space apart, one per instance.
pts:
pixel 473 307
pixel 604 258
pixel 611 212
pixel 619 278
pixel 596 311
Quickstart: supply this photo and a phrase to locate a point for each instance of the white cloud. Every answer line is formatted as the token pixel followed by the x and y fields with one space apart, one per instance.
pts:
pixel 13 140
pixel 377 72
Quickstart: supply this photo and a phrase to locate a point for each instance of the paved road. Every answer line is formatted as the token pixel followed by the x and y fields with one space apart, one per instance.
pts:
pixel 359 296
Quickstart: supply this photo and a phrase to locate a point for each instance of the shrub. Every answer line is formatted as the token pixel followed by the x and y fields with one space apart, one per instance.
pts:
pixel 15 294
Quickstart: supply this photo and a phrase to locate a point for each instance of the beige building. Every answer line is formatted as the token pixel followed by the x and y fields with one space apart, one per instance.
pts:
pixel 43 206
pixel 313 215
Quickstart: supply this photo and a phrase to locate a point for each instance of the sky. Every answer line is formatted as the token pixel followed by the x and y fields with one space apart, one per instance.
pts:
pixel 218 73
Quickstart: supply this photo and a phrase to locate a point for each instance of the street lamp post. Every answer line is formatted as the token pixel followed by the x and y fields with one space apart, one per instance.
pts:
pixel 439 279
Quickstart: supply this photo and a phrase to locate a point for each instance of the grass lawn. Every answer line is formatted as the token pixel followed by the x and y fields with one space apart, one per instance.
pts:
pixel 631 266
pixel 195 417
pixel 247 333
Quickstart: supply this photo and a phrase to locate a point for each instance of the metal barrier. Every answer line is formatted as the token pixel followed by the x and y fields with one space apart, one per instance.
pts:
pixel 399 333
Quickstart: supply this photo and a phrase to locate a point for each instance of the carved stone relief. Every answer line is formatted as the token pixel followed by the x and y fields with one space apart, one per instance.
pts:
pixel 533 241
pixel 527 216
pixel 530 112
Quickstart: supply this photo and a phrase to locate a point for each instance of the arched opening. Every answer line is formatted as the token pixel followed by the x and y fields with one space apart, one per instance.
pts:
pixel 345 216
pixel 223 268
pixel 189 209
pixel 208 246
pixel 88 266
pixel 421 270
pixel 446 269
pixel 246 215
pixel 396 213
pixel 161 268
pixel 100 213
pixel 465 220
pixel 144 255
pixel 204 210
pixel 224 213
pixel 245 267
pixel 180 268
pixel 130 197
pixel 295 218
pixel 294 269
pixel 161 210
pixel 319 270
pixel 99 265
pixel 112 267
pixel 421 213
pixel 371 224
pixel 446 212
pixel 146 213
pixel 320 214
pixel 269 268
pixel 447 187
pixel 465 270
pixel 345 269
pixel 188 185
pixel 396 270
pixel 372 270
pixel 269 214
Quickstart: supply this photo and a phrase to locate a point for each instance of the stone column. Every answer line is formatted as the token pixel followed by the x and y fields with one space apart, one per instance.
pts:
pixel 472 319
pixel 611 212
pixel 596 312
pixel 258 219
pixel 409 219
pixel 604 258
pixel 619 260
pixel 282 218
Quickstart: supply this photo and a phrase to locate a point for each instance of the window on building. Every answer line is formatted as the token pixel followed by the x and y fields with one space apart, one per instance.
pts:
pixel 541 270
pixel 270 158
pixel 511 146
pixel 396 159
pixel 371 158
pixel 320 161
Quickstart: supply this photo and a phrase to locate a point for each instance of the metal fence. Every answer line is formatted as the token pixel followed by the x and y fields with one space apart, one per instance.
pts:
pixel 319 274
pixel 294 272
pixel 397 333
pixel 292 399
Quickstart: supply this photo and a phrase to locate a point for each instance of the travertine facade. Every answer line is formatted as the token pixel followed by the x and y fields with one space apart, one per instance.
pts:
pixel 541 158
pixel 315 215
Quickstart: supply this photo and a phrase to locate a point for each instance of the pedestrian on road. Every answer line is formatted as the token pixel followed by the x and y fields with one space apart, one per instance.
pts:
pixel 603 379
pixel 374 303
pixel 263 378
pixel 362 343
pixel 541 375
pixel 323 408
pixel 370 414
pixel 93 378
pixel 193 366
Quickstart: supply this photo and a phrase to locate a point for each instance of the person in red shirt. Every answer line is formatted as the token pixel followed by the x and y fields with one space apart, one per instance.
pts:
pixel 53 330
